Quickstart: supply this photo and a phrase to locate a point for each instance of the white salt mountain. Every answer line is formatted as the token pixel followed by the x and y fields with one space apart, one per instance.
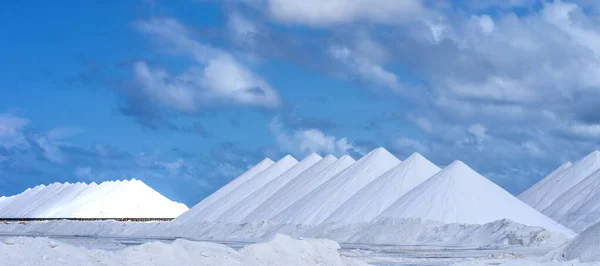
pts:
pixel 317 205
pixel 254 200
pixel 373 199
pixel 217 195
pixel 458 194
pixel 568 179
pixel 579 207
pixel 534 194
pixel 214 211
pixel 300 187
pixel 118 199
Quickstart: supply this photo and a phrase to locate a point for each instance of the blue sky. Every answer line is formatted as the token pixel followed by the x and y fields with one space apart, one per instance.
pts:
pixel 186 95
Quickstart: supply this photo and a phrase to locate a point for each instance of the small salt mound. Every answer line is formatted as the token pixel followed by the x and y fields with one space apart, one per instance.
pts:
pixel 584 247
pixel 294 189
pixel 534 194
pixel 225 203
pixel 217 195
pixel 118 199
pixel 458 194
pixel 373 199
pixel 238 212
pixel 316 206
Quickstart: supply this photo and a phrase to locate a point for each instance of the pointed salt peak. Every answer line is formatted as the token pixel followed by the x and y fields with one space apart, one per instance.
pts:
pixel 377 152
pixel 595 155
pixel 347 158
pixel 93 183
pixel 287 159
pixel 416 157
pixel 330 157
pixel 266 161
pixel 457 165
pixel 312 157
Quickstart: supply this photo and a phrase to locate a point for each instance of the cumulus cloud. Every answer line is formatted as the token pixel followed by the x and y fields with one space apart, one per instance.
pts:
pixel 216 78
pixel 302 142
pixel 334 12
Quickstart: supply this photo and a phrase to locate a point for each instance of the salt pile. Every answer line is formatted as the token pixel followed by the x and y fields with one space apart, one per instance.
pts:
pixel 579 207
pixel 565 180
pixel 112 199
pixel 373 199
pixel 252 201
pixel 534 194
pixel 584 247
pixel 213 211
pixel 316 206
pixel 458 194
pixel 217 195
pixel 298 187
pixel 279 251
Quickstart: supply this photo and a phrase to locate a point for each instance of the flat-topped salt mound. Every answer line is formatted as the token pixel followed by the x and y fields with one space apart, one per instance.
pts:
pixel 317 205
pixel 579 207
pixel 254 200
pixel 534 194
pixel 217 195
pixel 228 201
pixel 377 196
pixel 567 179
pixel 118 199
pixel 458 194
pixel 300 186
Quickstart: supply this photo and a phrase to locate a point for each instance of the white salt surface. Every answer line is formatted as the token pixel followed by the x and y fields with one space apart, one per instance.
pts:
pixel 299 187
pixel 319 204
pixel 585 247
pixel 112 199
pixel 217 195
pixel 503 233
pixel 565 180
pixel 377 196
pixel 250 203
pixel 213 211
pixel 458 194
pixel 579 207
pixel 280 250
pixel 535 193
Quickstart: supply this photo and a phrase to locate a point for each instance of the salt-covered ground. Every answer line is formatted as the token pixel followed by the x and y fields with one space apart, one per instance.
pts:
pixel 279 250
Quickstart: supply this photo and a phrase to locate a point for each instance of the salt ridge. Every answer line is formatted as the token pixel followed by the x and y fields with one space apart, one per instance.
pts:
pixel 254 200
pixel 534 194
pixel 568 179
pixel 300 187
pixel 213 211
pixel 235 183
pixel 458 194
pixel 377 196
pixel 316 206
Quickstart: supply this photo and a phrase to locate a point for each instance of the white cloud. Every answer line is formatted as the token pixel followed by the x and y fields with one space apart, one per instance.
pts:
pixel 323 13
pixel 11 131
pixel 305 141
pixel 50 150
pixel 216 78
pixel 365 59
